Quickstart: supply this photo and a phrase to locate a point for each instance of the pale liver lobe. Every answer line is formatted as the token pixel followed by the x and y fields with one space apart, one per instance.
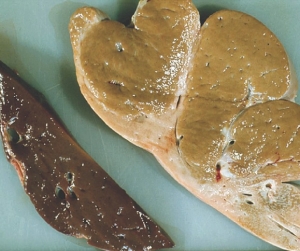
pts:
pixel 264 136
pixel 190 138
pixel 142 82
pixel 239 62
pixel 154 66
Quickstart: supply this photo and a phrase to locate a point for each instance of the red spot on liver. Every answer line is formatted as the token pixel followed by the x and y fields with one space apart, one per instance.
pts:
pixel 218 175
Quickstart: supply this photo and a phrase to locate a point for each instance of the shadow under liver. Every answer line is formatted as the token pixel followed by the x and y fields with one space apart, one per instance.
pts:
pixel 207 10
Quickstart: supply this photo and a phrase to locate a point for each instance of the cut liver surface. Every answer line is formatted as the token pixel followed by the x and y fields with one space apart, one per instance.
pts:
pixel 68 188
pixel 213 105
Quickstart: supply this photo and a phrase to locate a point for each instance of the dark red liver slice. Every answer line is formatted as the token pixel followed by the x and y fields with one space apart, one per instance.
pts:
pixel 68 188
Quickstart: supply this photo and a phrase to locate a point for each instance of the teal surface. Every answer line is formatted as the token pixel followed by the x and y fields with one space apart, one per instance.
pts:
pixel 34 40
